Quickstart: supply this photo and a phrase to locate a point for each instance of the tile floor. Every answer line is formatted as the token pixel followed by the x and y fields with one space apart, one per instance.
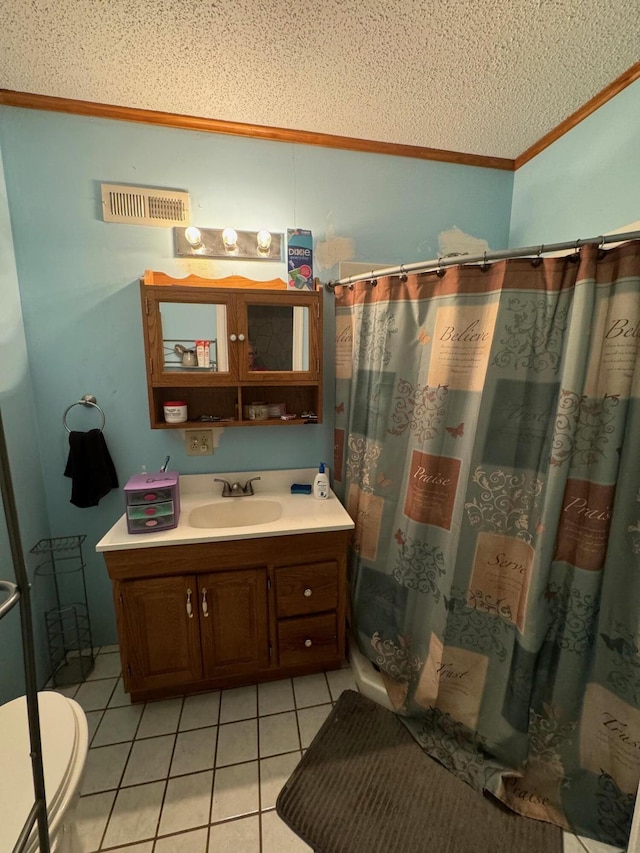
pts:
pixel 198 774
pixel 201 774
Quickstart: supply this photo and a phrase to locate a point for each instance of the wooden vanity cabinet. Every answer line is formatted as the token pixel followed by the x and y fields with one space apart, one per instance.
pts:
pixel 234 314
pixel 196 617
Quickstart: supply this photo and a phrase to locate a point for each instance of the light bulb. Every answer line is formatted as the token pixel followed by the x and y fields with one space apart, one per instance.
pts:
pixel 230 238
pixel 193 236
pixel 264 240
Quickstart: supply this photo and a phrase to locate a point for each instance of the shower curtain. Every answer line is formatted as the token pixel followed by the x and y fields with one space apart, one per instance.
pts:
pixel 487 447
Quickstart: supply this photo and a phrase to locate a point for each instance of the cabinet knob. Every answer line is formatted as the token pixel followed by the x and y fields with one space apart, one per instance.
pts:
pixel 233 337
pixel 308 643
pixel 240 337
pixel 308 593
pixel 205 606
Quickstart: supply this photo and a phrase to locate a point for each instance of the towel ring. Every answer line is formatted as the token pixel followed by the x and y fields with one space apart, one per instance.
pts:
pixel 87 400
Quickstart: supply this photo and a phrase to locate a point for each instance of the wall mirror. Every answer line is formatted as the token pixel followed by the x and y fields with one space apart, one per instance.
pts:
pixel 278 337
pixel 183 323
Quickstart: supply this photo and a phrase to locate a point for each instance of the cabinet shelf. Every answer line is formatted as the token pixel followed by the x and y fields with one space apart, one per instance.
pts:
pixel 228 402
pixel 243 422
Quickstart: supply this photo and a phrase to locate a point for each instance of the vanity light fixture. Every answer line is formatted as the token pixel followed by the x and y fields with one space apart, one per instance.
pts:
pixel 262 245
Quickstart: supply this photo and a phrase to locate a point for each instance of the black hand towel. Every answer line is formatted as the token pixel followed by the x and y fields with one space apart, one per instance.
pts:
pixel 90 467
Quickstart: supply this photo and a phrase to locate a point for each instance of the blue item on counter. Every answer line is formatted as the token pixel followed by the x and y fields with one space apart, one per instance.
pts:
pixel 300 489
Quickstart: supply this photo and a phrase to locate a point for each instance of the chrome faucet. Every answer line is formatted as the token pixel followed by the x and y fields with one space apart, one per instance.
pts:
pixel 236 490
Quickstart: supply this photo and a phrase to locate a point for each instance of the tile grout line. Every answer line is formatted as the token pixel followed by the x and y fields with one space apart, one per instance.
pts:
pixel 106 825
pixel 260 844
pixel 166 781
pixel 215 769
pixel 124 767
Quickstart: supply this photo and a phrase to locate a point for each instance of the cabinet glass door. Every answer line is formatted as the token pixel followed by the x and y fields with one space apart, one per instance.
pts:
pixel 184 324
pixel 278 337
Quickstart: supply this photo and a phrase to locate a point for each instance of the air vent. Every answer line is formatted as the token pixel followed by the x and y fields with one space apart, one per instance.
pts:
pixel 145 206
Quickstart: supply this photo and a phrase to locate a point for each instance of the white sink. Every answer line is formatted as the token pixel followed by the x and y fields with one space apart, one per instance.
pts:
pixel 235 512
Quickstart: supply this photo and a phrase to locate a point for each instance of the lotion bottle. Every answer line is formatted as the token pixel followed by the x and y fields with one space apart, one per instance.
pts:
pixel 321 484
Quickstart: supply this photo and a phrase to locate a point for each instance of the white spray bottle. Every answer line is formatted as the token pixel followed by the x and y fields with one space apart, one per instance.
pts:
pixel 321 484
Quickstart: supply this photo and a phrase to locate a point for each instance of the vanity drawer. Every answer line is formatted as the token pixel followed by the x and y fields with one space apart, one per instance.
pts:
pixel 306 589
pixel 149 495
pixel 310 640
pixel 150 510
pixel 152 517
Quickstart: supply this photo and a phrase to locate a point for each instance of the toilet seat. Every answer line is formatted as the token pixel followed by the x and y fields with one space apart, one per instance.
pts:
pixel 63 732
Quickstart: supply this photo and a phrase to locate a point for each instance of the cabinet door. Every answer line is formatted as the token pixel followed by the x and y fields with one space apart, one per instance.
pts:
pixel 233 619
pixel 161 637
pixel 279 337
pixel 175 321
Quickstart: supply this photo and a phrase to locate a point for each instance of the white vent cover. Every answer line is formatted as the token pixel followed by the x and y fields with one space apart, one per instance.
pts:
pixel 145 205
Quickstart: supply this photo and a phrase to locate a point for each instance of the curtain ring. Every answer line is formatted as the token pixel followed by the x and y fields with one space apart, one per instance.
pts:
pixel 484 266
pixel 373 281
pixel 440 271
pixel 403 274
pixel 601 251
pixel 575 257
pixel 538 258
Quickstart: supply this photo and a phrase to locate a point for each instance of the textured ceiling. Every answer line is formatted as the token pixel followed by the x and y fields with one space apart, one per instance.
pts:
pixel 488 77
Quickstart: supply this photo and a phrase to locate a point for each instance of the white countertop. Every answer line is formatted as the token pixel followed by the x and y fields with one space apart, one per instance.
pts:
pixel 300 513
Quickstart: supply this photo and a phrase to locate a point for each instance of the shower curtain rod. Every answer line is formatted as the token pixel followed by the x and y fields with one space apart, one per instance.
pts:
pixel 459 259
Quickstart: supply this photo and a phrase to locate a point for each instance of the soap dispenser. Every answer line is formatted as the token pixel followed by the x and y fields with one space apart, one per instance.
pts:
pixel 321 484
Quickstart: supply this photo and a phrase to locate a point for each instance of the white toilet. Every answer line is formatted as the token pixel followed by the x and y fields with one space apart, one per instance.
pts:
pixel 65 741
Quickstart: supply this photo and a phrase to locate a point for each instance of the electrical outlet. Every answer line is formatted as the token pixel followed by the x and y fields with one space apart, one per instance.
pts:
pixel 199 442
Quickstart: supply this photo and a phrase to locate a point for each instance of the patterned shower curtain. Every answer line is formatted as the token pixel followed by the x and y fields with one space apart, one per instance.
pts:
pixel 488 450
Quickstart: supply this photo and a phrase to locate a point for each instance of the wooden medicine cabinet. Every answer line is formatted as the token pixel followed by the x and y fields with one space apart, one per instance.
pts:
pixel 265 347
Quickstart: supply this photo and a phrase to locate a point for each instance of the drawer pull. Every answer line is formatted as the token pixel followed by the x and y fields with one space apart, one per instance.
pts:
pixel 308 643
pixel 308 592
pixel 189 607
pixel 205 606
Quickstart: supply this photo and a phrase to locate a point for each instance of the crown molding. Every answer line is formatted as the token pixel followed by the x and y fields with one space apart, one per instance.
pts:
pixel 28 100
pixel 255 131
pixel 609 92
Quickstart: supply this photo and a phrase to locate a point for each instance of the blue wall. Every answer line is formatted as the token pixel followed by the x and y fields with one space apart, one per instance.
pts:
pixel 586 183
pixel 78 280
pixel 19 425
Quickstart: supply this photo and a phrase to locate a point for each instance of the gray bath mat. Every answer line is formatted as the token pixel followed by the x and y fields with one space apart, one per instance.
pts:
pixel 365 786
